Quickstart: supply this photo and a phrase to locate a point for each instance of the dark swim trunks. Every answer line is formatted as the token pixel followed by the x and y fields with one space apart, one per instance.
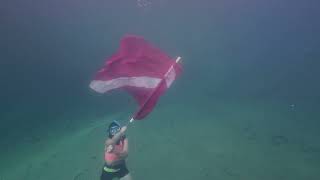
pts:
pixel 110 172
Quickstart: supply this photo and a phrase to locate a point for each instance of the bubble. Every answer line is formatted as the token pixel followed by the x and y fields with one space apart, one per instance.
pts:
pixel 143 3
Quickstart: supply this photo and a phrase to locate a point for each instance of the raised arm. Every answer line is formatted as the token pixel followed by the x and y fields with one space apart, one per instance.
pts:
pixel 111 142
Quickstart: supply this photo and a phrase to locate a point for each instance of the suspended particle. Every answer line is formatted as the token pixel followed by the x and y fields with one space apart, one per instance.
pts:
pixel 143 3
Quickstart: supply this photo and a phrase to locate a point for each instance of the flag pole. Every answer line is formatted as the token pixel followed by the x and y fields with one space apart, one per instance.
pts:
pixel 165 75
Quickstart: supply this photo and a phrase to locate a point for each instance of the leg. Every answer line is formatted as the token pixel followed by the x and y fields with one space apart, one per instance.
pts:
pixel 126 177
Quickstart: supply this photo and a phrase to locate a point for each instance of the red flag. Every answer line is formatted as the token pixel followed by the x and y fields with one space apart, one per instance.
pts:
pixel 141 69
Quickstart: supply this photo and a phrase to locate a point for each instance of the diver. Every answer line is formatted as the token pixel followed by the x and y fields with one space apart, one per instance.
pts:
pixel 116 152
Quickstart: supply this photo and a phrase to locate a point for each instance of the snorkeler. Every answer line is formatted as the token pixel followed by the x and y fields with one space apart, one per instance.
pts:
pixel 116 151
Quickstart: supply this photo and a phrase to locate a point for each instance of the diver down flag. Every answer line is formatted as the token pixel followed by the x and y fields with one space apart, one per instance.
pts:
pixel 141 69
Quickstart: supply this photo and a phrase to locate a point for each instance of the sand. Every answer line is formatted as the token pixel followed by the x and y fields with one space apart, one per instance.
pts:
pixel 222 140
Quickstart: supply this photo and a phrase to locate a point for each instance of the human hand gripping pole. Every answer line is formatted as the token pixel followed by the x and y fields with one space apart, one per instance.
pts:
pixel 165 75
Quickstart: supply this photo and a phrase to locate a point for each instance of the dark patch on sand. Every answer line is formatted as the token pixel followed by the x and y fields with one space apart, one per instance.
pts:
pixel 307 148
pixel 94 157
pixel 228 171
pixel 83 175
pixel 250 134
pixel 32 139
pixel 279 140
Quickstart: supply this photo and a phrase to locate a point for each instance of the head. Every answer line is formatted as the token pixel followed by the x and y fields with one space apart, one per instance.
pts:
pixel 114 128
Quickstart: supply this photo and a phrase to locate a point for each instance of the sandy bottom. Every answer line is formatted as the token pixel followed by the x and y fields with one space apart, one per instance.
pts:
pixel 226 140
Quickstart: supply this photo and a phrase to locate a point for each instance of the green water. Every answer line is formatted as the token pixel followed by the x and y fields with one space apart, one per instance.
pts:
pixel 245 107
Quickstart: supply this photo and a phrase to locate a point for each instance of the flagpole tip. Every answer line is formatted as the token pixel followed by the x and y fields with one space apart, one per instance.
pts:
pixel 178 59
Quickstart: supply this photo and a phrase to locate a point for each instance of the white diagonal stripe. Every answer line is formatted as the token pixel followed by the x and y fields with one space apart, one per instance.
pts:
pixel 143 81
